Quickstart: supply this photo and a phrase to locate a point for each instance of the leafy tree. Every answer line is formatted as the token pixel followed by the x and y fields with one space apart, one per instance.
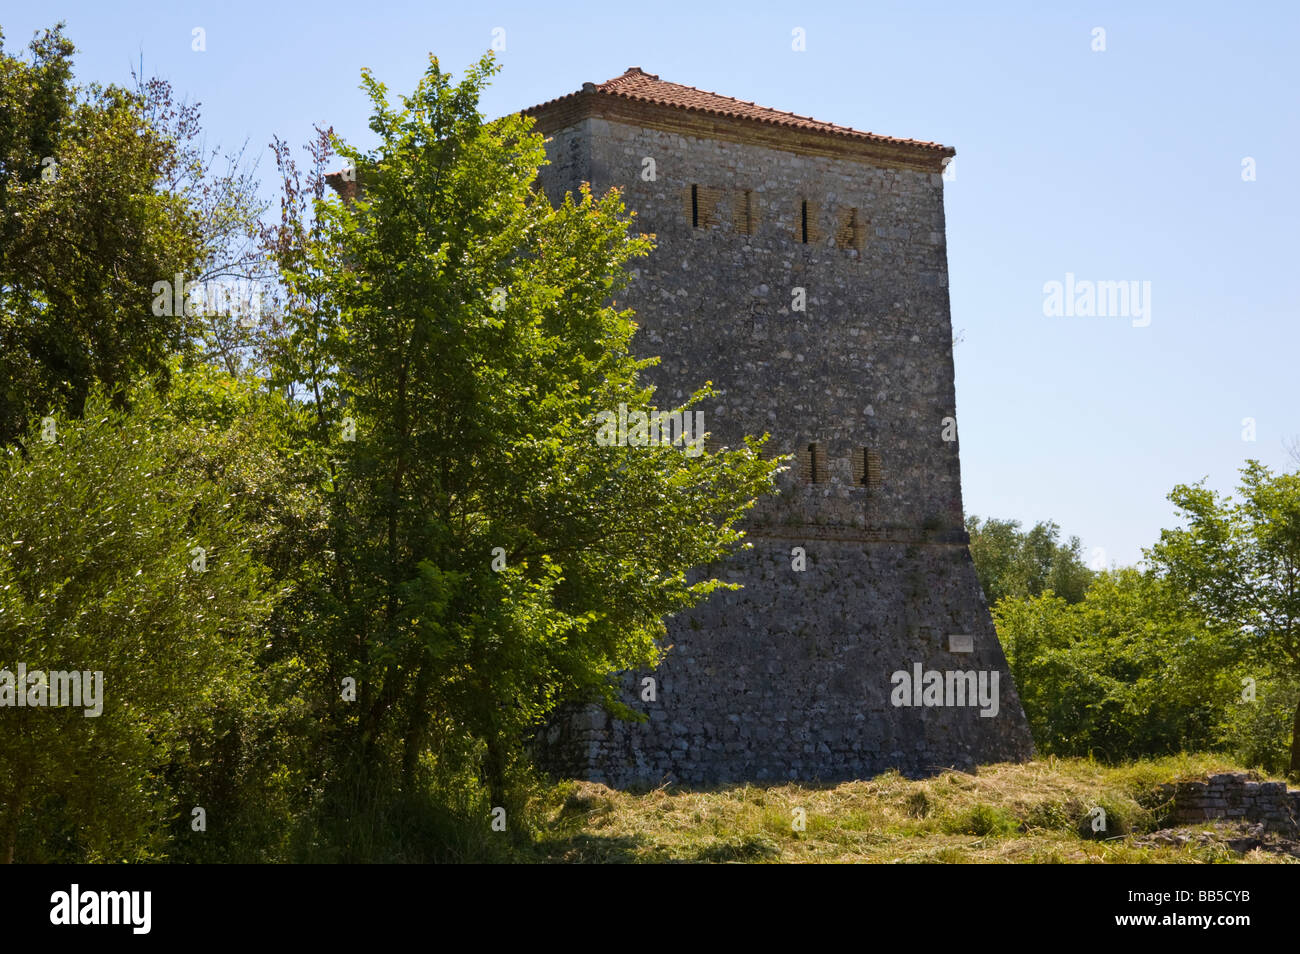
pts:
pixel 1256 727
pixel 249 754
pixel 1129 671
pixel 455 342
pixel 85 232
pixel 1012 562
pixel 1238 563
pixel 121 551
pixel 231 266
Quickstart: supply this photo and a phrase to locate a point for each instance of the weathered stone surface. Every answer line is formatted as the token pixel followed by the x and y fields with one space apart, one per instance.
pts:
pixel 1235 795
pixel 790 678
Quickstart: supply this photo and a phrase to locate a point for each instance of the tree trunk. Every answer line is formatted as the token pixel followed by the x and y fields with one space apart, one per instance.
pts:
pixel 9 833
pixel 415 725
pixel 1295 743
pixel 496 774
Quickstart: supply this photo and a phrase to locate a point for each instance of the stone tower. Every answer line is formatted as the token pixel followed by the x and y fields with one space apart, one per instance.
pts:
pixel 801 267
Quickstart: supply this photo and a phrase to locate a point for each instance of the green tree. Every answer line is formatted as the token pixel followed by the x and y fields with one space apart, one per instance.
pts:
pixel 454 336
pixel 248 754
pixel 1129 671
pixel 86 231
pixel 1238 564
pixel 122 551
pixel 1012 562
pixel 221 197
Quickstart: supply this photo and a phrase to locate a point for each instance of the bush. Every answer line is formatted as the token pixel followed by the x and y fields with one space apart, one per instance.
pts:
pixel 982 819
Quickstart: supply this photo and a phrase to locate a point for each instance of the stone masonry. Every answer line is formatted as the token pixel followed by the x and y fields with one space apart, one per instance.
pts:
pixel 1233 795
pixel 802 268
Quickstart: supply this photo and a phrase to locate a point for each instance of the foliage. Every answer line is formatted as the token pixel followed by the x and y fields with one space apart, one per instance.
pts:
pixel 1126 672
pixel 119 553
pixel 231 270
pixel 85 233
pixel 1238 563
pixel 1012 562
pixel 452 337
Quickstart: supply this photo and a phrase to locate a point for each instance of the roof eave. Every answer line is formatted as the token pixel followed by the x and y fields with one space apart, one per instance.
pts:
pixel 572 108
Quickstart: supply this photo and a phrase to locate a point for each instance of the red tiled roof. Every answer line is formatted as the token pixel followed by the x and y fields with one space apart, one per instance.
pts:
pixel 643 87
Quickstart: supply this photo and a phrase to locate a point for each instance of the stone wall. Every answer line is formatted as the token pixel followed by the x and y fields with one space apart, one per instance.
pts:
pixel 791 678
pixel 1233 795
pixel 867 365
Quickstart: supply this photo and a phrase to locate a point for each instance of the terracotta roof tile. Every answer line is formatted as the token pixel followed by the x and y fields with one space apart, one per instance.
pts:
pixel 640 86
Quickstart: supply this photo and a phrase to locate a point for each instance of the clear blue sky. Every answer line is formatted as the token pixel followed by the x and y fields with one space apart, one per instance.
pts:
pixel 1116 165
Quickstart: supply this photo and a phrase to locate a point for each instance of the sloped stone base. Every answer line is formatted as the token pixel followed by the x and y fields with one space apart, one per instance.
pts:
pixel 791 678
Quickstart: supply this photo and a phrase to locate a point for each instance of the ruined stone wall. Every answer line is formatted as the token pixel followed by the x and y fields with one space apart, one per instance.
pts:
pixel 791 678
pixel 1233 795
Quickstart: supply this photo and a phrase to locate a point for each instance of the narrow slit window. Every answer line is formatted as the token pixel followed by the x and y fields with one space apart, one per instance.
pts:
pixel 812 464
pixel 866 468
pixel 849 234
pixel 695 206
pixel 745 213
pixel 803 221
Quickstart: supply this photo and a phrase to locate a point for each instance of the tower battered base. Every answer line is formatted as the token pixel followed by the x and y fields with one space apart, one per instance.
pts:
pixel 741 699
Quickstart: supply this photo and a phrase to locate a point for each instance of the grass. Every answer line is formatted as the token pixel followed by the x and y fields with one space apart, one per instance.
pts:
pixel 1033 812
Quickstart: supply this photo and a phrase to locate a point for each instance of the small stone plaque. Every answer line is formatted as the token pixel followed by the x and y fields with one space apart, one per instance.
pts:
pixel 961 643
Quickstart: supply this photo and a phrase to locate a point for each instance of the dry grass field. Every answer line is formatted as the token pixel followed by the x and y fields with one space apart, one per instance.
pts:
pixel 1037 812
